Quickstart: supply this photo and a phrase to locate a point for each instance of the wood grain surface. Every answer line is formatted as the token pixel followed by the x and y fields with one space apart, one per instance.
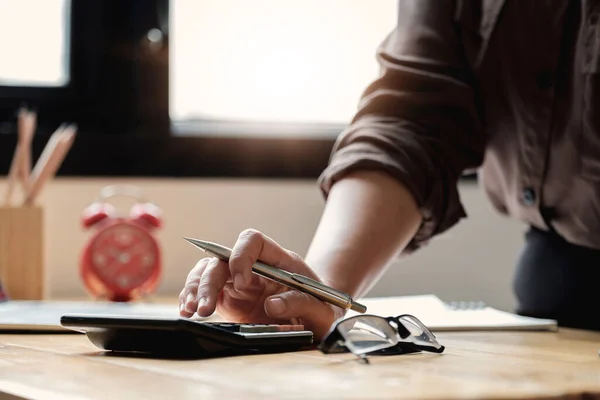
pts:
pixel 482 365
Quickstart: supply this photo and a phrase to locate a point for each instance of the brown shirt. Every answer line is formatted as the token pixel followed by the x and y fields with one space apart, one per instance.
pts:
pixel 511 86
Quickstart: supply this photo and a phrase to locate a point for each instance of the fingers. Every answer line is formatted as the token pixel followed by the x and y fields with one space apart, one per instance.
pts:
pixel 188 295
pixel 202 287
pixel 211 282
pixel 316 315
pixel 252 246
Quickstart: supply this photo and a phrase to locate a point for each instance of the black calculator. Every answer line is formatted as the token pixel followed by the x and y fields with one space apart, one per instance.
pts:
pixel 186 337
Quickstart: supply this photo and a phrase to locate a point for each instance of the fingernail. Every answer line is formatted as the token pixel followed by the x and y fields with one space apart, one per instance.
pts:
pixel 202 301
pixel 189 306
pixel 277 305
pixel 189 298
pixel 181 307
pixel 239 282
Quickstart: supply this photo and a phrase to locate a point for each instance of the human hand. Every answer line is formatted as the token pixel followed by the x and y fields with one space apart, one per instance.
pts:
pixel 238 295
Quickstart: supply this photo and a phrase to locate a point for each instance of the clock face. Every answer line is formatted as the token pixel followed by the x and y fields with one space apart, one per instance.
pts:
pixel 123 256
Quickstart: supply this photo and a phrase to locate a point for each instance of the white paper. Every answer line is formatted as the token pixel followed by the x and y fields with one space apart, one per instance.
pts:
pixel 45 315
pixel 437 316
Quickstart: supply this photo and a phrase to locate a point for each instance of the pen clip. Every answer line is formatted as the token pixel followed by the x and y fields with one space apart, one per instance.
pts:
pixel 324 288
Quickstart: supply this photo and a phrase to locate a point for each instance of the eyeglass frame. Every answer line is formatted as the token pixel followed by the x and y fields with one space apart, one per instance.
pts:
pixel 330 343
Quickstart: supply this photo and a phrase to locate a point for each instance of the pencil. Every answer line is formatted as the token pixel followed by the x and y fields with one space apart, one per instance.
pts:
pixel 50 160
pixel 15 166
pixel 27 122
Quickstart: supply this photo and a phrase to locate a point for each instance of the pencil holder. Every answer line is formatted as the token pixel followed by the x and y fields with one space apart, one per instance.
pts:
pixel 22 269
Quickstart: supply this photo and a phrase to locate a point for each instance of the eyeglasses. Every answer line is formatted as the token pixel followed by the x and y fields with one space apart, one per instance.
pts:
pixel 372 334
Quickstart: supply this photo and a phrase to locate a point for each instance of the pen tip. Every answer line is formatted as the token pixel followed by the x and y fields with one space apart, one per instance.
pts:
pixel 198 243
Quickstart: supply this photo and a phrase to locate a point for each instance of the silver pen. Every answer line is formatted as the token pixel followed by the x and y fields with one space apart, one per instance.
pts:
pixel 290 279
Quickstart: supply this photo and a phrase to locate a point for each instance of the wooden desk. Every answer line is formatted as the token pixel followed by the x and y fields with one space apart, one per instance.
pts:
pixel 475 365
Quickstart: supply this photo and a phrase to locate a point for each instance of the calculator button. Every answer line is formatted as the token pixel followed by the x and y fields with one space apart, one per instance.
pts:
pixel 253 328
pixel 256 328
pixel 291 328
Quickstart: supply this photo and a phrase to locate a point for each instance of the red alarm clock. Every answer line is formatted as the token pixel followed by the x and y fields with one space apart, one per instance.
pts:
pixel 122 260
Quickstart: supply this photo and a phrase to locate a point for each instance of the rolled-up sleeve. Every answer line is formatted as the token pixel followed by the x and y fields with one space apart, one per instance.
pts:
pixel 418 120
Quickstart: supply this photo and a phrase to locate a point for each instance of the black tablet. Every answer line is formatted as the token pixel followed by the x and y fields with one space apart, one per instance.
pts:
pixel 186 337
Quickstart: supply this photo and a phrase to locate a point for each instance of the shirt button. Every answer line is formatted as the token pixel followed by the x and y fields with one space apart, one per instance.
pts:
pixel 545 80
pixel 529 196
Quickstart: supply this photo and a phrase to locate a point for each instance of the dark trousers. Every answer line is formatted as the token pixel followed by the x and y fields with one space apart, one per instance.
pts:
pixel 558 280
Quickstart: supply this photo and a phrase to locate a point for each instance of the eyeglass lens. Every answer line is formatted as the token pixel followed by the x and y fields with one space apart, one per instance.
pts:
pixel 366 334
pixel 421 335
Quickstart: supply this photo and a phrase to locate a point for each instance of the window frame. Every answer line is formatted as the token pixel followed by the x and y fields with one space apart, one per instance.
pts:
pixel 117 95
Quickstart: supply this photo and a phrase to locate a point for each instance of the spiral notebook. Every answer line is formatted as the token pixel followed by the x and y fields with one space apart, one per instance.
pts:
pixel 440 316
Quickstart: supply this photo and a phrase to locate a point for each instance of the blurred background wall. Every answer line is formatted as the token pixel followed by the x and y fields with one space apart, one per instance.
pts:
pixel 472 261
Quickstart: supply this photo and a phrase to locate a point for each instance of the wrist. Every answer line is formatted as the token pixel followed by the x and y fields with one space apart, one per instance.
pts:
pixel 336 270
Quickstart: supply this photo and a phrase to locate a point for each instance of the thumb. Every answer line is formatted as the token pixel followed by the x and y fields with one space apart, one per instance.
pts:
pixel 316 315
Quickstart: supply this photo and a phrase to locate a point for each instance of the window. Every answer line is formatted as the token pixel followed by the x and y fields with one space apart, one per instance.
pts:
pixel 35 69
pixel 34 58
pixel 271 67
pixel 218 88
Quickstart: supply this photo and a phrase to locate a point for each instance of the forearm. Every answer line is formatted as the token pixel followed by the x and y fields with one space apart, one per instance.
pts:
pixel 368 219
